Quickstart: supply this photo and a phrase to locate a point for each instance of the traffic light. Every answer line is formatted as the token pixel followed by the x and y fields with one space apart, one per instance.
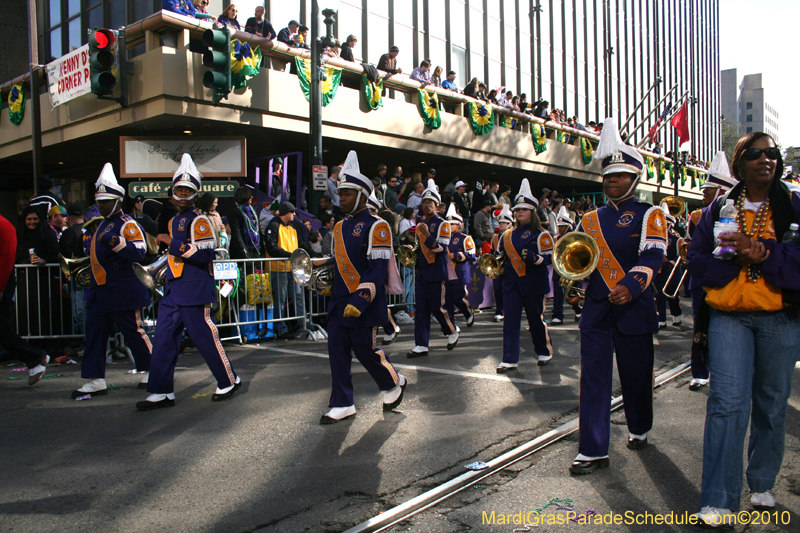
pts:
pixel 101 61
pixel 218 59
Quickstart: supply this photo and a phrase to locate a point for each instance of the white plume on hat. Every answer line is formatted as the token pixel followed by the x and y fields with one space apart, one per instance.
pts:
pixel 525 198
pixel 720 173
pixel 670 218
pixel 373 202
pixel 106 181
pixel 505 215
pixel 452 214
pixel 611 143
pixel 563 218
pixel 187 168
pixel 431 192
pixel 610 140
pixel 350 176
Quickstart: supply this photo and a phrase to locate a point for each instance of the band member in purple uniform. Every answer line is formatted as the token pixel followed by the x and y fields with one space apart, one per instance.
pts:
pixel 462 253
pixel 504 221
pixel 564 224
pixel 190 290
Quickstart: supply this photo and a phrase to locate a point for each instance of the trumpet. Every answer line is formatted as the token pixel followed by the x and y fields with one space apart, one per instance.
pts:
pixel 491 265
pixel 319 279
pixel 575 257
pixel 408 255
pixel 681 261
pixel 79 268
pixel 153 276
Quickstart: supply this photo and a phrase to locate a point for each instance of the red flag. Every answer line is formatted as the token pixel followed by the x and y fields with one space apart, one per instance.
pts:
pixel 653 133
pixel 681 123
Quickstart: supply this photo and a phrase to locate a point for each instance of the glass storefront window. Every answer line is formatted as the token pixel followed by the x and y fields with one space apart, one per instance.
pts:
pixel 404 12
pixel 494 39
pixel 438 52
pixel 511 79
pixel 495 75
pixel 94 19
pixel 116 13
pixel 510 46
pixel 379 7
pixel 73 7
pixel 493 8
pixel 404 38
pixel 143 8
pixel 281 14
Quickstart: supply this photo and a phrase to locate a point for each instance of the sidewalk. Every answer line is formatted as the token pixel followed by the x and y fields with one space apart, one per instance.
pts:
pixel 664 478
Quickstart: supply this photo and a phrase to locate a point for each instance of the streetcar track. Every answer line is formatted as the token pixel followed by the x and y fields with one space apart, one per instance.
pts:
pixel 444 491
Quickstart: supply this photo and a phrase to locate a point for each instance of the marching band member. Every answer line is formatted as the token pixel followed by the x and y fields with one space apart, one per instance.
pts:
pixel 674 244
pixel 116 243
pixel 565 224
pixel 190 290
pixel 390 328
pixel 528 248
pixel 362 250
pixel 461 251
pixel 719 181
pixel 434 269
pixel 619 314
pixel 504 221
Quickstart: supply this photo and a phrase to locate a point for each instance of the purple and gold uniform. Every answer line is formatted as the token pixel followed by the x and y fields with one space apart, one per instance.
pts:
pixel 116 296
pixel 497 283
pixel 462 249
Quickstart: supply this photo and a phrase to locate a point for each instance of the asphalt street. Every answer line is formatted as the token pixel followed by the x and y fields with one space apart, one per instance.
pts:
pixel 261 461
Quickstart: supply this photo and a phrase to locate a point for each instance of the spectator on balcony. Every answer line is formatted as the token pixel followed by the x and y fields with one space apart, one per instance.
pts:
pixel 422 73
pixel 450 82
pixel 524 106
pixel 492 96
pixel 181 7
pixel 541 110
pixel 515 104
pixel 259 25
pixel 436 77
pixel 472 88
pixel 286 35
pixel 326 207
pixel 388 61
pixel 505 99
pixel 228 17
pixel 415 198
pixel 347 48
pixel 481 94
pixel 301 39
pixel 202 11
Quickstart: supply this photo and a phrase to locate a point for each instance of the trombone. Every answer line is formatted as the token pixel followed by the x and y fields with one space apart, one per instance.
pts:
pixel 491 265
pixel 680 262
pixel 575 257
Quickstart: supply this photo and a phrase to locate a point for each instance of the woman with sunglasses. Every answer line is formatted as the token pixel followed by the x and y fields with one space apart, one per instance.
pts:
pixel 228 18
pixel 753 330
pixel 202 10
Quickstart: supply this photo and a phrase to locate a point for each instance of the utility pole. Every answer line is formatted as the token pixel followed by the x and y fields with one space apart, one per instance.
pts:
pixel 36 124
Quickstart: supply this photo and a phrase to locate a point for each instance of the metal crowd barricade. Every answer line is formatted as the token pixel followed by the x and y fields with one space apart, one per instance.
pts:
pixel 47 306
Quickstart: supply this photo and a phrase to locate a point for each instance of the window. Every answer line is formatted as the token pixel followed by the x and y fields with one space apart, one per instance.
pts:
pixel 749 105
pixel 749 118
pixel 749 130
pixel 378 42
pixel 457 23
pixel 348 20
pixel 458 61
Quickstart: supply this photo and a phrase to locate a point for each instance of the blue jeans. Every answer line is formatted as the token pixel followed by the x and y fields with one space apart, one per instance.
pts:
pixel 283 285
pixel 408 287
pixel 751 358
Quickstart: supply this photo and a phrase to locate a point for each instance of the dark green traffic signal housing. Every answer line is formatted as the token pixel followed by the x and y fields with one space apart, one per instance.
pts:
pixel 218 59
pixel 101 62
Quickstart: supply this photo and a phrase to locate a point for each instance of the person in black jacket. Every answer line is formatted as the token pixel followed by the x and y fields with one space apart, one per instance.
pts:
pixel 283 236
pixel 71 243
pixel 245 234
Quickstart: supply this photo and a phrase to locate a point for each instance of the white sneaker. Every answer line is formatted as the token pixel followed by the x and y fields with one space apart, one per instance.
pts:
pixel 556 321
pixel 403 318
pixel 762 500
pixel 502 368
pixel 337 414
pixel 662 324
pixel 498 318
pixel 676 320
pixel 93 387
pixel 452 340
pixel 393 397
pixel 543 359
pixel 714 517
pixel 36 373
pixel 389 338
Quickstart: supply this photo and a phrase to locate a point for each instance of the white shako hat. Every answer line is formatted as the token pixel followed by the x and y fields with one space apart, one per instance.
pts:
pixel 615 155
pixel 432 193
pixel 505 215
pixel 719 174
pixel 525 198
pixel 373 202
pixel 350 177
pixel 187 174
pixel 106 186
pixel 452 214
pixel 670 218
pixel 563 218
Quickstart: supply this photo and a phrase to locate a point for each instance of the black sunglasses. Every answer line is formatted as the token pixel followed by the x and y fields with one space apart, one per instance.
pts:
pixel 753 154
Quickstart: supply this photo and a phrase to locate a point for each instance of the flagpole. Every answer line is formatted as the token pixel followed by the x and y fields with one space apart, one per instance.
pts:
pixel 641 102
pixel 654 110
pixel 677 106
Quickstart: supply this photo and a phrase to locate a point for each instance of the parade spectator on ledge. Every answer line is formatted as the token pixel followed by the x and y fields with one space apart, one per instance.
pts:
pixel 260 26
pixel 181 7
pixel 347 48
pixel 472 88
pixel 228 17
pixel 436 77
pixel 450 82
pixel 481 94
pixel 422 73
pixel 301 39
pixel 202 11
pixel 286 35
pixel 388 61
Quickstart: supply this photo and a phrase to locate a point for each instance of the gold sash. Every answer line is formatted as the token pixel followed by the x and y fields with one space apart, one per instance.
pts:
pixel 608 266
pixel 513 255
pixel 175 263
pixel 345 267
pixel 98 271
pixel 427 253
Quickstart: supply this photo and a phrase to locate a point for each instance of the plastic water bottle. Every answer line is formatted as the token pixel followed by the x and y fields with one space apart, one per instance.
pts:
pixel 792 237
pixel 727 214
pixel 725 225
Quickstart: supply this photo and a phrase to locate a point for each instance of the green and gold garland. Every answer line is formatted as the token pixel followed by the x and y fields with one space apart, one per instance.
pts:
pixel 16 104
pixel 650 164
pixel 428 105
pixel 587 151
pixel 508 122
pixel 373 92
pixel 329 86
pixel 538 135
pixel 245 62
pixel 481 118
pixel 662 170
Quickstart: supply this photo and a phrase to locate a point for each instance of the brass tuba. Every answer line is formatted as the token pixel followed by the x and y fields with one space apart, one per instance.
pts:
pixel 575 257
pixel 153 275
pixel 79 268
pixel 408 255
pixel 491 265
pixel 319 279
pixel 675 204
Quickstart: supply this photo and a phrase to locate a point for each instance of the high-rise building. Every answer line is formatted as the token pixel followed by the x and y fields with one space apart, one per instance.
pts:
pixel 745 104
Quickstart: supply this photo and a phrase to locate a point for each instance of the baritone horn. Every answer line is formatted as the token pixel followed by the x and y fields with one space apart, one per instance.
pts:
pixel 408 255
pixel 575 257
pixel 80 269
pixel 153 276
pixel 675 204
pixel 491 265
pixel 305 273
pixel 681 261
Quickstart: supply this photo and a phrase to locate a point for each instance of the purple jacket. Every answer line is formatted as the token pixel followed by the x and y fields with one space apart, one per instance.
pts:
pixel 189 277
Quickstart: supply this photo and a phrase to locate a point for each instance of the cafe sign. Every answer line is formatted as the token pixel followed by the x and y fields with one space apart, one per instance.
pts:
pixel 158 189
pixel 160 157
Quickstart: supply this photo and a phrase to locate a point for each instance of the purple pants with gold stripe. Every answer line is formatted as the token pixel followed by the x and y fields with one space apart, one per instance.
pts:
pixel 457 295
pixel 432 300
pixel 635 365
pixel 361 341
pixel 197 319
pixel 533 304
pixel 99 326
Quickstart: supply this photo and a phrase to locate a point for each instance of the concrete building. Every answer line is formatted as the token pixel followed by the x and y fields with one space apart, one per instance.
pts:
pixel 745 103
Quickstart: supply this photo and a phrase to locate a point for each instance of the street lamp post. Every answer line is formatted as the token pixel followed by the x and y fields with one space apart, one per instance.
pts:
pixel 317 75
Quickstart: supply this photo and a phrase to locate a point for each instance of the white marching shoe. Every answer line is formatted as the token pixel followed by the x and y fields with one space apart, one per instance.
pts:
pixel 393 397
pixel 452 339
pixel 337 414
pixel 94 387
pixel 502 368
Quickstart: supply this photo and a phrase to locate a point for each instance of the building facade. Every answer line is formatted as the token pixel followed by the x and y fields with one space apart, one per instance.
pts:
pixel 744 103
